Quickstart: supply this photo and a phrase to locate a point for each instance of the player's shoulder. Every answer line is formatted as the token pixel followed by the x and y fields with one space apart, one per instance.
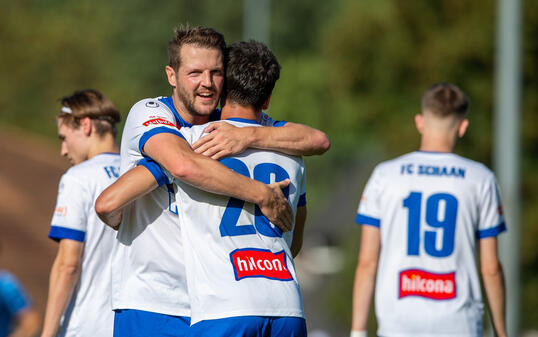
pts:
pixel 392 164
pixel 149 105
pixel 87 170
pixel 475 168
pixel 7 278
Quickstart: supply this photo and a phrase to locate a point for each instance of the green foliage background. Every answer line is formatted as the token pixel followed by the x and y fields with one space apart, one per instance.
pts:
pixel 355 69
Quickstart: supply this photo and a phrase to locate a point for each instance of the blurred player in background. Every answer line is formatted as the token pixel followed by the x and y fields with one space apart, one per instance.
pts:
pixel 422 215
pixel 79 287
pixel 149 284
pixel 18 318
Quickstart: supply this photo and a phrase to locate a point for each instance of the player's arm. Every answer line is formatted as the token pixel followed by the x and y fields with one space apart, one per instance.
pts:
pixel 365 275
pixel 225 139
pixel 27 323
pixel 130 186
pixel 493 278
pixel 298 231
pixel 64 276
pixel 178 158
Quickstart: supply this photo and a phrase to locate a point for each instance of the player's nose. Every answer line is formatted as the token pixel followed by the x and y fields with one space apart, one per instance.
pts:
pixel 63 149
pixel 206 78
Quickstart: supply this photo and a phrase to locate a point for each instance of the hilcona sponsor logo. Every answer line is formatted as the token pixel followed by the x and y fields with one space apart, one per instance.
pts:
pixel 252 262
pixel 157 121
pixel 415 282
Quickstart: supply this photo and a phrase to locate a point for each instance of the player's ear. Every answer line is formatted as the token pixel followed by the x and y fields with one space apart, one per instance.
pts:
pixel 86 125
pixel 266 103
pixel 419 123
pixel 171 75
pixel 462 128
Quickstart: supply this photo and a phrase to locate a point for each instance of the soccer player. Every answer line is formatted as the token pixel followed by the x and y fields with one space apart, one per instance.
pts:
pixel 17 315
pixel 240 270
pixel 423 215
pixel 148 278
pixel 79 287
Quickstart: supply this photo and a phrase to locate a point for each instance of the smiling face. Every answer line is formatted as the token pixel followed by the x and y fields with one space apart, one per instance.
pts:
pixel 74 143
pixel 198 81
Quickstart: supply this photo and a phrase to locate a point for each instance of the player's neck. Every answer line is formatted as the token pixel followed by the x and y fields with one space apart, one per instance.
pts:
pixel 437 143
pixel 106 144
pixel 234 110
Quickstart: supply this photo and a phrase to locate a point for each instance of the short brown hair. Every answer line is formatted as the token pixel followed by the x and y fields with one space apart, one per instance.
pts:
pixel 90 103
pixel 198 36
pixel 445 99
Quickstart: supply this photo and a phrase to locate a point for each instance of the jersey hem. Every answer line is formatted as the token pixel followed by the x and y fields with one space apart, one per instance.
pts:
pixel 172 311
pixel 209 316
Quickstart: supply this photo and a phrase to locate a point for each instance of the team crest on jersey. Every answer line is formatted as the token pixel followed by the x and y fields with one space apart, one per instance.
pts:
pixel 152 104
pixel 252 262
pixel 416 282
pixel 157 121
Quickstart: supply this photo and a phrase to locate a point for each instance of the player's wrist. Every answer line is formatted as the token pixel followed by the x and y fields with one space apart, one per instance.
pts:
pixel 357 333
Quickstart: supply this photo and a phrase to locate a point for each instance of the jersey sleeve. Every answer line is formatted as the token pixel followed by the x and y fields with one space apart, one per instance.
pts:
pixel 148 118
pixel 162 176
pixel 491 221
pixel 266 120
pixel 70 215
pixel 368 212
pixel 13 295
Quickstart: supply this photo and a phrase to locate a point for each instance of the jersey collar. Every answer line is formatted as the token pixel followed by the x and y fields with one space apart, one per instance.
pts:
pixel 243 120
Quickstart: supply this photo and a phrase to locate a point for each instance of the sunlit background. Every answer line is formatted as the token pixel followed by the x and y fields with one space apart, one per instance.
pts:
pixel 354 69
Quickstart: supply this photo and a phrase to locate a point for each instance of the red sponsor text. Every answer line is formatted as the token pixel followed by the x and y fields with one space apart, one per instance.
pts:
pixel 157 121
pixel 260 263
pixel 415 282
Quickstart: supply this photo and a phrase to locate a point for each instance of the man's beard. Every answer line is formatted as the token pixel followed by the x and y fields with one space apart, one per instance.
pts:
pixel 188 102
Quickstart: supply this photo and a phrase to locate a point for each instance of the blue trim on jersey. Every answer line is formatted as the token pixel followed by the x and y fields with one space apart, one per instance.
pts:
pixel 279 123
pixel 302 200
pixel 255 326
pixel 114 153
pixel 161 129
pixel 169 102
pixel 243 120
pixel 57 233
pixel 155 169
pixel 140 323
pixel 362 219
pixel 494 231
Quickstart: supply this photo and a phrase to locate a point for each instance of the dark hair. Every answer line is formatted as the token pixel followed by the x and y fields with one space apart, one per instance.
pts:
pixel 445 99
pixel 90 103
pixel 198 36
pixel 251 73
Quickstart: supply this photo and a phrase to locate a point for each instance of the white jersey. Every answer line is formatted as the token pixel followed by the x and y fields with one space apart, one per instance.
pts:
pixel 89 312
pixel 239 264
pixel 148 272
pixel 431 208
